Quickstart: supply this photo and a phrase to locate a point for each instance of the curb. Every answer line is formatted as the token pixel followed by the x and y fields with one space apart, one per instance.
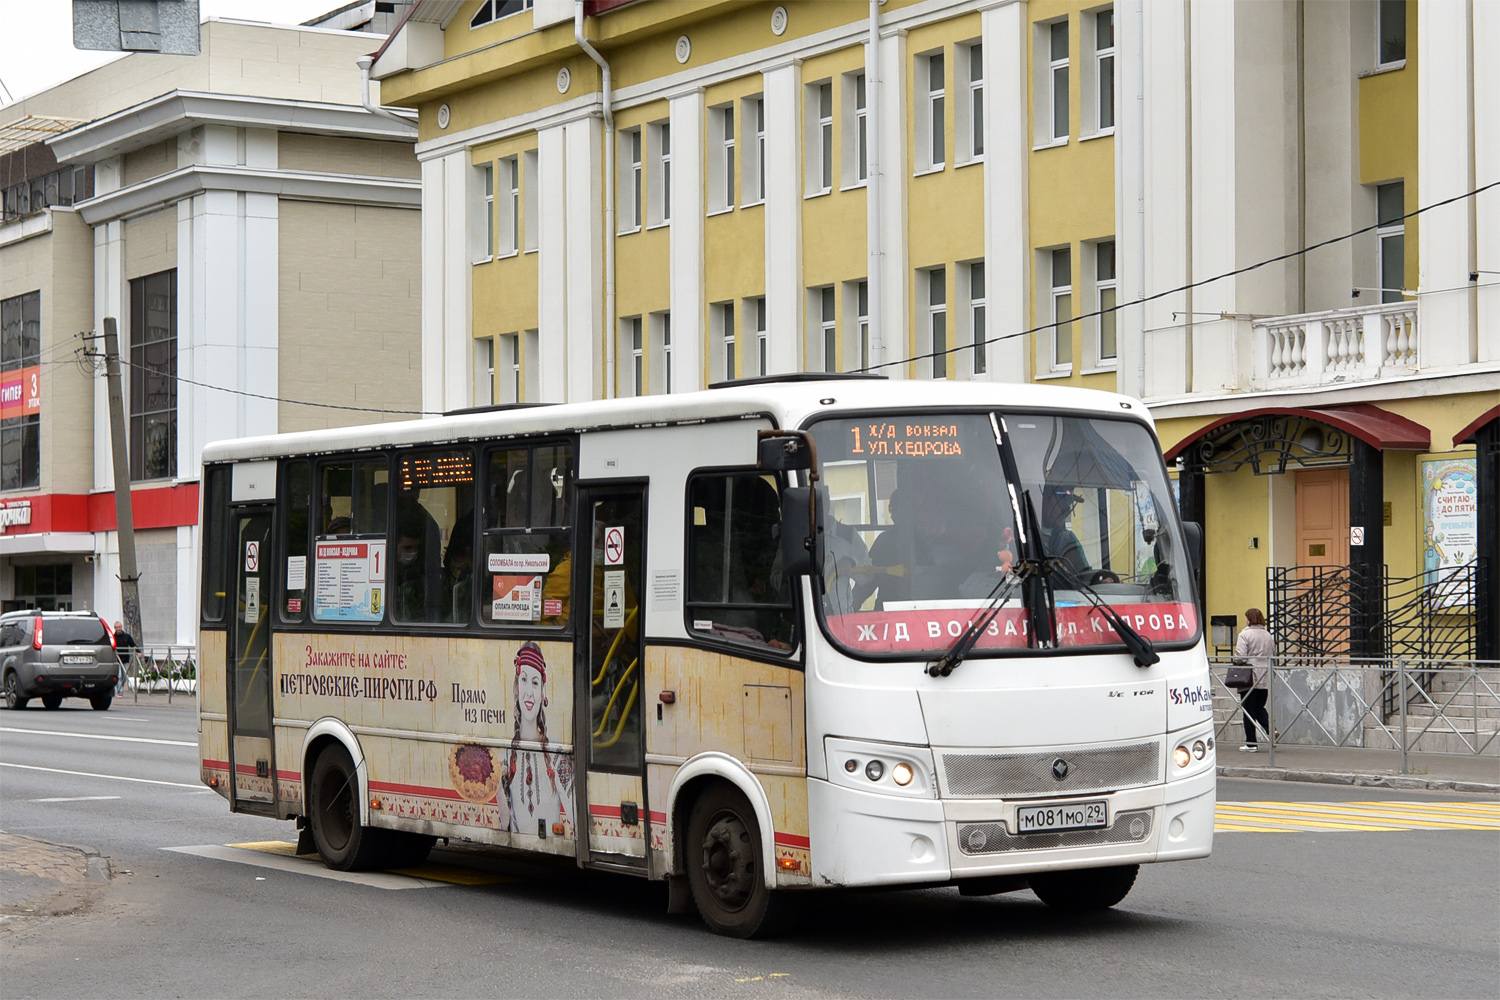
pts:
pixel 1401 781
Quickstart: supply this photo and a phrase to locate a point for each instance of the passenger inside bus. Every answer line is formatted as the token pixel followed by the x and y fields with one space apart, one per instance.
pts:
pixel 416 587
pixel 458 569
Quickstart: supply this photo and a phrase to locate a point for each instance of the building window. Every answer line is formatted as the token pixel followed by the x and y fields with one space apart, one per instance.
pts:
pixel 510 206
pixel 65 186
pixel 932 141
pixel 1391 31
pixel 633 347
pixel 723 333
pixel 970 106
pixel 753 164
pixel 823 318
pixel 494 10
pixel 508 364
pixel 153 376
pixel 856 352
pixel 1105 300
pixel 937 319
pixel 659 170
pixel 488 226
pixel 856 143
pixel 630 191
pixel 1390 234
pixel 1098 33
pixel 529 188
pixel 1051 83
pixel 659 368
pixel 721 158
pixel 531 366
pixel 20 390
pixel 975 318
pixel 755 309
pixel 819 159
pixel 48 587
pixel 1060 304
pixel 484 371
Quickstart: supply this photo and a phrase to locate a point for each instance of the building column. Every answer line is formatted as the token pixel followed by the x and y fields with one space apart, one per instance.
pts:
pixel 552 267
pixel 1367 560
pixel 689 318
pixel 895 182
pixel 1006 230
pixel 1167 247
pixel 447 348
pixel 783 212
pixel 584 249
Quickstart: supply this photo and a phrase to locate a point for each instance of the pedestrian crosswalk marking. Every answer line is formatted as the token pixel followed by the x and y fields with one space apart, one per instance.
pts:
pixel 1364 817
pixel 281 855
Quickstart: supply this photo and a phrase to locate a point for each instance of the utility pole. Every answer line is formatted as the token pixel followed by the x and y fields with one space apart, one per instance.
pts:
pixel 130 594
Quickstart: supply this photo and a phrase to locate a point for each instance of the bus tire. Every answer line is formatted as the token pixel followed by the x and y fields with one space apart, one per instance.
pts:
pixel 344 843
pixel 1084 889
pixel 725 868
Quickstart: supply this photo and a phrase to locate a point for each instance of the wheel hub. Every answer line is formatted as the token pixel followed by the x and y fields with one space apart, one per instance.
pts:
pixel 728 866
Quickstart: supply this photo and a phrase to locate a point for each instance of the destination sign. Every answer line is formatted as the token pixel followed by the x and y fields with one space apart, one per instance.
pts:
pixel 905 439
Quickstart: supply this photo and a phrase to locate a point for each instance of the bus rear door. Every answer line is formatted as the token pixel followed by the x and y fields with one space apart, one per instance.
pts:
pixel 251 759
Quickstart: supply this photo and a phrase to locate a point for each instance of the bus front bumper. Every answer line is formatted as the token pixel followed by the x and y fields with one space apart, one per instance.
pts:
pixel 865 839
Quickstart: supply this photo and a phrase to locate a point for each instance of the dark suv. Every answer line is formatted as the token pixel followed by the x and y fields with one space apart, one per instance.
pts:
pixel 53 655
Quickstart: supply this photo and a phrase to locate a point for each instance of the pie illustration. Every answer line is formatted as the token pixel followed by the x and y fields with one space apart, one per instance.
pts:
pixel 472 768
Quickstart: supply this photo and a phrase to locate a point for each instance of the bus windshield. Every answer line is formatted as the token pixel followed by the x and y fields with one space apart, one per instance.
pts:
pixel 920 533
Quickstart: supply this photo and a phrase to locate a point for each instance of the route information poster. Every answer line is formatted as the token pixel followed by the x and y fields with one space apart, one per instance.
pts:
pixel 349 582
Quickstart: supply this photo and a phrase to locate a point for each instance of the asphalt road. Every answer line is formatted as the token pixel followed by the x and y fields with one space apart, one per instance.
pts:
pixel 1328 912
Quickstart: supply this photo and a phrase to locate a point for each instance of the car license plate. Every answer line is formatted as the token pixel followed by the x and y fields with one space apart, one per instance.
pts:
pixel 77 658
pixel 1051 819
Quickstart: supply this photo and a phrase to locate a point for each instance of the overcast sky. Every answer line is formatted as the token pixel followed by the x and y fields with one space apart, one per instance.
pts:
pixel 36 41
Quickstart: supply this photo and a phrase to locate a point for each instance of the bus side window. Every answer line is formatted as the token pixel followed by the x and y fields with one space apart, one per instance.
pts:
pixel 298 498
pixel 215 514
pixel 527 577
pixel 432 541
pixel 737 590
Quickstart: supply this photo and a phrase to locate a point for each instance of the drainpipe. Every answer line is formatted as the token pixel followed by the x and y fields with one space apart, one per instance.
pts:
pixel 872 185
pixel 607 97
pixel 364 63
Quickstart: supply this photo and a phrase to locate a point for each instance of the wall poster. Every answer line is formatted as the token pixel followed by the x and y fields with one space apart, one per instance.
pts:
pixel 1450 528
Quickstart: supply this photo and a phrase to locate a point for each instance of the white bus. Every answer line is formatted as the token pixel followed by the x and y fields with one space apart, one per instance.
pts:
pixel 775 636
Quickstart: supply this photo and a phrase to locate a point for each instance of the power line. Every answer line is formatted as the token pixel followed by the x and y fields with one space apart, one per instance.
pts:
pixel 1183 288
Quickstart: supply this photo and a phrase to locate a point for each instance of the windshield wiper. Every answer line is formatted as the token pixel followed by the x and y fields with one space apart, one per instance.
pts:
pixel 1142 648
pixel 943 665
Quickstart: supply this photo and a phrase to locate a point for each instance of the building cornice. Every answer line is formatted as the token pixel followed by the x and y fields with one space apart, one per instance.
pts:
pixel 180 111
pixel 168 189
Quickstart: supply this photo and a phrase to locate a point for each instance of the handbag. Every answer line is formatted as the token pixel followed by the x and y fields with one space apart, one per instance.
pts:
pixel 1240 677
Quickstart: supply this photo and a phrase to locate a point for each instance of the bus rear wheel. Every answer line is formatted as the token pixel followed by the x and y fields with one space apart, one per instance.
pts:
pixel 1084 889
pixel 725 869
pixel 344 843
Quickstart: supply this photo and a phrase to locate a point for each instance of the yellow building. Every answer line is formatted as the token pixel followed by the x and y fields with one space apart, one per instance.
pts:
pixel 637 197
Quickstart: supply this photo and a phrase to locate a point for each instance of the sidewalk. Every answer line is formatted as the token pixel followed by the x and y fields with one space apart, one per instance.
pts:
pixel 38 878
pixel 1357 766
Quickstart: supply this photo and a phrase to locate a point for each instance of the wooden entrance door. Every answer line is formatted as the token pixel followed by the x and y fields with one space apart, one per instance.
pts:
pixel 1322 626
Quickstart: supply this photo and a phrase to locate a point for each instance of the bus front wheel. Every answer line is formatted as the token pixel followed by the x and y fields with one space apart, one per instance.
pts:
pixel 344 843
pixel 1084 889
pixel 725 869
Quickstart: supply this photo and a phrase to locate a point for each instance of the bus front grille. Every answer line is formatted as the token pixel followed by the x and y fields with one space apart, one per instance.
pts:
pixel 993 838
pixel 999 776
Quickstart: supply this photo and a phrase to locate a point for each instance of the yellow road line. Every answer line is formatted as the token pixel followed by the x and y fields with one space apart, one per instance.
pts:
pixel 1295 810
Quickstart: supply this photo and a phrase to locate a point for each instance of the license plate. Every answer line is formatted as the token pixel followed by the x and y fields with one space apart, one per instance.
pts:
pixel 1051 819
pixel 78 658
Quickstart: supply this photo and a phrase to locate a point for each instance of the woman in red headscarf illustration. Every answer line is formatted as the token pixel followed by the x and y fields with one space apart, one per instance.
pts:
pixel 537 784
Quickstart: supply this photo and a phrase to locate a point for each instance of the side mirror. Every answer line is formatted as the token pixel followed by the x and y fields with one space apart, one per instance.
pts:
pixel 802 529
pixel 784 451
pixel 1192 533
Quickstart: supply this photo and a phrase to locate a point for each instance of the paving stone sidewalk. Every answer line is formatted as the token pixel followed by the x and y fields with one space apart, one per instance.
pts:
pixel 32 872
pixel 1474 774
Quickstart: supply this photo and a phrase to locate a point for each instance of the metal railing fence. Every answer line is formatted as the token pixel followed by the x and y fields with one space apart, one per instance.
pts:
pixel 150 668
pixel 1440 706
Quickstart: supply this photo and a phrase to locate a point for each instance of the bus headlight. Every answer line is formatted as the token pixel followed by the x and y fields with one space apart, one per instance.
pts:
pixel 874 770
pixel 1182 756
pixel 1199 750
pixel 902 774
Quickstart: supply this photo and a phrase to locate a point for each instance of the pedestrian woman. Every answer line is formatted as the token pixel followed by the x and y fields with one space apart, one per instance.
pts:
pixel 1254 649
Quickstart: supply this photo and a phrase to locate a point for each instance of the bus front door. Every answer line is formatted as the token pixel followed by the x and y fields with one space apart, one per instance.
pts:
pixel 251 760
pixel 613 793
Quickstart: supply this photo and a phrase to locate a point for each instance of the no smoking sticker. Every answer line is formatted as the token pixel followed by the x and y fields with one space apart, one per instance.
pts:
pixel 252 557
pixel 614 546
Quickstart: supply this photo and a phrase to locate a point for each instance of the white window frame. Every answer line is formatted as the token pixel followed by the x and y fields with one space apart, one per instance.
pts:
pixel 933 289
pixel 1386 231
pixel 1045 78
pixel 822 324
pixel 494 10
pixel 854 156
pixel 754 309
pixel 660 375
pixel 1101 291
pixel 725 355
pixel 632 191
pixel 659 174
pixel 817 141
pixel 753 162
pixel 507 360
pixel 931 107
pixel 856 327
pixel 1098 68
pixel 968 111
pixel 489 211
pixel 974 361
pixel 508 228
pixel 632 347
pixel 721 146
pixel 484 371
pixel 1380 16
pixel 1050 296
pixel 531 219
